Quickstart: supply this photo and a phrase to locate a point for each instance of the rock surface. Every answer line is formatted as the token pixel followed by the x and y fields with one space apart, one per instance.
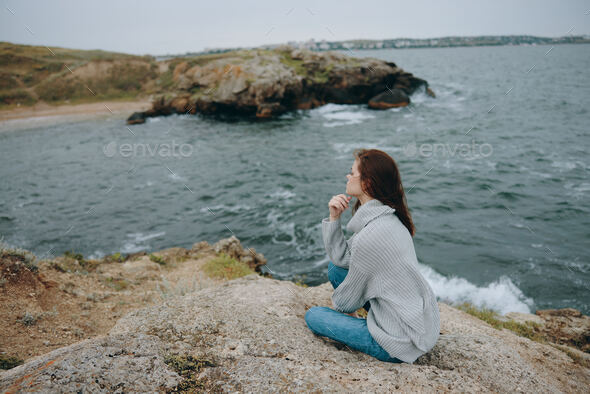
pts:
pixel 253 330
pixel 389 99
pixel 565 326
pixel 267 83
pixel 48 304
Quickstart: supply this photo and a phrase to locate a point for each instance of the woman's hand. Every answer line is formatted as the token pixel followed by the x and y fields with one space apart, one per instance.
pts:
pixel 337 205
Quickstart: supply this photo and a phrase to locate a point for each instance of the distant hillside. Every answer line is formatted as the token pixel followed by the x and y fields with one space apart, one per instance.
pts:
pixel 29 74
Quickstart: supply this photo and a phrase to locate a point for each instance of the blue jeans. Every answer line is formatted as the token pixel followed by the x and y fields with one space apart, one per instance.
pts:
pixel 351 331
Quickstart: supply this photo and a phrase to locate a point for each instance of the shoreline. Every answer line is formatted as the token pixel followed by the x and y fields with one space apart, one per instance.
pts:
pixel 16 118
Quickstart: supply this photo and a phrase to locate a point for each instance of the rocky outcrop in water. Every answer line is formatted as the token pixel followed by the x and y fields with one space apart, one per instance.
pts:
pixel 268 83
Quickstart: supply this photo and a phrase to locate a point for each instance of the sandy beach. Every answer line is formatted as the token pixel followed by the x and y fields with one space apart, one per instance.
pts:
pixel 43 113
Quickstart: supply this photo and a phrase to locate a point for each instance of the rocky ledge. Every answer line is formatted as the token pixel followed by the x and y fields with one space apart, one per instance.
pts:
pixel 268 83
pixel 249 334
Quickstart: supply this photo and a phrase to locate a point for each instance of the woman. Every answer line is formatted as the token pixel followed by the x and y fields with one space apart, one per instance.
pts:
pixel 376 269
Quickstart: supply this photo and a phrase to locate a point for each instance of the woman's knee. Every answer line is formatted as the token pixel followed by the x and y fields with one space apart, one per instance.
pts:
pixel 312 316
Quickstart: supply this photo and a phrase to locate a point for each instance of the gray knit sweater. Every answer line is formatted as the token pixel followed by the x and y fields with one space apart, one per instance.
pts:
pixel 383 269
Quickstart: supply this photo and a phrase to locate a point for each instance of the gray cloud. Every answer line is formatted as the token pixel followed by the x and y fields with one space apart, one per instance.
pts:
pixel 149 27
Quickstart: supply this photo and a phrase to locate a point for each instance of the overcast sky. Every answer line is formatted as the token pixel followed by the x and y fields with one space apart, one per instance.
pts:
pixel 150 27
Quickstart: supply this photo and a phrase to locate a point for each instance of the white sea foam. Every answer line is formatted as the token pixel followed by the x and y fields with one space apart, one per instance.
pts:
pixel 137 241
pixel 176 177
pixel 564 165
pixel 491 164
pixel 98 254
pixel 144 185
pixel 454 164
pixel 341 118
pixel 344 147
pixel 578 190
pixel 330 107
pixel 568 165
pixel 282 194
pixel 449 96
pixel 536 173
pixel 583 187
pixel 347 116
pixel 420 96
pixel 281 228
pixel 226 208
pixel 502 295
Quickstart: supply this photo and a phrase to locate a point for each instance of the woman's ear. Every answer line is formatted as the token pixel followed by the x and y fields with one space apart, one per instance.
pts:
pixel 365 185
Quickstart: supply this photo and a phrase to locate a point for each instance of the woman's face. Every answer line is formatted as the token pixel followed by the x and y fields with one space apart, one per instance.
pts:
pixel 353 186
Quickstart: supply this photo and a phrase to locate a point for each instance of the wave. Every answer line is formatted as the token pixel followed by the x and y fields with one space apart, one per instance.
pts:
pixel 281 194
pixel 176 177
pixel 137 243
pixel 511 196
pixel 225 208
pixel 331 107
pixel 449 96
pixel 341 115
pixel 6 219
pixel 568 165
pixel 283 233
pixel 143 185
pixel 97 255
pixel 344 147
pixel 577 190
pixel 502 296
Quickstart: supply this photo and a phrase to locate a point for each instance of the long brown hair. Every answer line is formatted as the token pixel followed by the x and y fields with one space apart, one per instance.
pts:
pixel 380 179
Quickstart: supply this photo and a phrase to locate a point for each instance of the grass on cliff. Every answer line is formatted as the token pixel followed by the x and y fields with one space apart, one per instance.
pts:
pixel 13 257
pixel 226 267
pixel 30 73
pixel 493 318
pixel 121 80
pixel 318 76
pixel 576 356
pixel 9 362
pixel 299 280
pixel 157 259
pixel 524 330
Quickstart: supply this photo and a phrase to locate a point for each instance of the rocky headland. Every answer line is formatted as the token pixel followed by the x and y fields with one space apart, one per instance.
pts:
pixel 207 319
pixel 256 83
pixel 268 83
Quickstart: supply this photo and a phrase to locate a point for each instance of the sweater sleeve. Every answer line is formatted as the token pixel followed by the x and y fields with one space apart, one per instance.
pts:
pixel 336 246
pixel 353 292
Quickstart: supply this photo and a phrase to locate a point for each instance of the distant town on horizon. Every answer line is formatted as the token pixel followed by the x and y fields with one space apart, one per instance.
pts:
pixel 398 43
